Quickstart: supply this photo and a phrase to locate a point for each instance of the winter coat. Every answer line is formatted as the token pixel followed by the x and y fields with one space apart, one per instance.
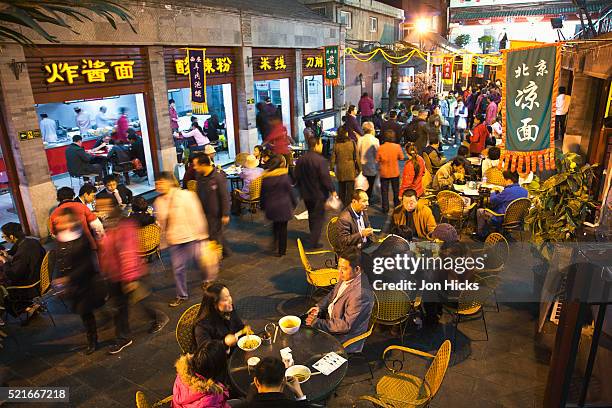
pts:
pixel 276 198
pixel 118 253
pixel 215 199
pixel 409 180
pixel 192 391
pixel 344 160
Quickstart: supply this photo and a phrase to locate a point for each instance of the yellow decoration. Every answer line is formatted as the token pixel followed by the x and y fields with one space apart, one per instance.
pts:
pixel 56 69
pixel 182 66
pixel 94 71
pixel 123 69
pixel 223 64
pixel 392 59
pixel 279 63
pixel 264 63
pixel 208 66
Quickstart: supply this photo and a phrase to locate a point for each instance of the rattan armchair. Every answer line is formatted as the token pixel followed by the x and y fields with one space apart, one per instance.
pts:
pixel 317 278
pixel 254 196
pixel 496 250
pixel 149 240
pixel 514 217
pixel 400 389
pixel 453 208
pixel 184 329
pixel 141 401
pixel 495 176
pixel 394 308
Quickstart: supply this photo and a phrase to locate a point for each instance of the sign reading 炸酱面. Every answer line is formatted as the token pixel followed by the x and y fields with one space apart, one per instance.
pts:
pixel 91 70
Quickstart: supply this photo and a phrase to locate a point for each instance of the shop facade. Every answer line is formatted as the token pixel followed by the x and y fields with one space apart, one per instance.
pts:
pixel 109 74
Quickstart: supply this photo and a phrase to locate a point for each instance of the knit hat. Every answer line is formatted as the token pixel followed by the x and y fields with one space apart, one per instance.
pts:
pixel 445 233
pixel 251 162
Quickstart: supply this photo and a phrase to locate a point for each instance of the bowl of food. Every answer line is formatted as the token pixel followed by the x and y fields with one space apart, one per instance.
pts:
pixel 300 372
pixel 290 324
pixel 249 342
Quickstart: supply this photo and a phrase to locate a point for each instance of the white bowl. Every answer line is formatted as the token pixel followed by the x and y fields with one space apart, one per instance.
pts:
pixel 299 369
pixel 297 322
pixel 244 339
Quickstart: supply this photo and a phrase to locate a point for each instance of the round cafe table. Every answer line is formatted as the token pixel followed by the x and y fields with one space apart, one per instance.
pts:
pixel 307 347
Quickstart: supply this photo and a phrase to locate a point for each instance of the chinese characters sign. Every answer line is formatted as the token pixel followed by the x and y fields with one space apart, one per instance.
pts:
pixel 313 62
pixel 467 65
pixel 89 69
pixel 271 63
pixel 197 79
pixel 480 68
pixel 447 68
pixel 529 96
pixel 219 65
pixel 332 67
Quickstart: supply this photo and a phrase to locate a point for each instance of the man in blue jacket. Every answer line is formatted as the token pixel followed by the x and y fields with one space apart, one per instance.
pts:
pixel 499 202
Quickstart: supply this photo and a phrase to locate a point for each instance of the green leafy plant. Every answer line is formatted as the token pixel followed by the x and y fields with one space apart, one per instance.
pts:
pixel 486 42
pixel 31 14
pixel 462 40
pixel 562 202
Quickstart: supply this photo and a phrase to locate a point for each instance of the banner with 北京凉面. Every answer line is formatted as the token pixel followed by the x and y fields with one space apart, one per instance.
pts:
pixel 530 78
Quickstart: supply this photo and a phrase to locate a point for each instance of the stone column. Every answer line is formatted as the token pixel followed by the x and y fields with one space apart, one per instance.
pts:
pixel 166 151
pixel 37 190
pixel 245 90
pixel 298 122
pixel 338 91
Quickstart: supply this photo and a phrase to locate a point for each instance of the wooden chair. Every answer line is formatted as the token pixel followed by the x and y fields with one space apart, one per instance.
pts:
pixel 394 308
pixel 184 329
pixel 514 217
pixel 318 278
pixel 400 389
pixel 149 240
pixel 43 285
pixel 192 185
pixel 254 196
pixel 495 176
pixel 453 207
pixel 141 401
pixel 240 159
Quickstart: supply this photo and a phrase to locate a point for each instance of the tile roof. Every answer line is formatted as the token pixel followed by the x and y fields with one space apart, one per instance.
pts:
pixel 517 12
pixel 277 8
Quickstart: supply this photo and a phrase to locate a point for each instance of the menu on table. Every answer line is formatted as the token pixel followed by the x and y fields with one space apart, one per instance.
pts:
pixel 329 363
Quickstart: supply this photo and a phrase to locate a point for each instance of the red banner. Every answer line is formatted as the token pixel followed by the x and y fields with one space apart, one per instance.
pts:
pixel 447 67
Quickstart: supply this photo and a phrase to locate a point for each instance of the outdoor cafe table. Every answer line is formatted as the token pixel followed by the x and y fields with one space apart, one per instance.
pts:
pixel 307 347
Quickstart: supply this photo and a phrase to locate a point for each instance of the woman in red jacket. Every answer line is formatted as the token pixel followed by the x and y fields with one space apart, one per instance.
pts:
pixel 412 177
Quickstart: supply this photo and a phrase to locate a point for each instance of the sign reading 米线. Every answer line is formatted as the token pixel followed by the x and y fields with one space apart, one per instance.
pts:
pixel 270 63
pixel 90 70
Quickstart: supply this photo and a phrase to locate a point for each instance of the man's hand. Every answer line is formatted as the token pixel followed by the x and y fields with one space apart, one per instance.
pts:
pixel 230 340
pixel 313 311
pixel 366 232
pixel 225 220
pixel 294 385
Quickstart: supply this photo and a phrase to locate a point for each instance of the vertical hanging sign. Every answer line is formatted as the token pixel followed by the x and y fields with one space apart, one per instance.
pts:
pixel 447 68
pixel 197 79
pixel 480 68
pixel 332 72
pixel 467 64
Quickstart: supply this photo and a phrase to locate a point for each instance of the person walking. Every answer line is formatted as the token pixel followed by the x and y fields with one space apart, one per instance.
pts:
pixel 366 107
pixel 367 148
pixel 277 201
pixel 562 107
pixel 491 111
pixel 414 170
pixel 352 124
pixel 388 157
pixel 181 218
pixel 344 161
pixel 461 114
pixel 279 139
pixel 315 185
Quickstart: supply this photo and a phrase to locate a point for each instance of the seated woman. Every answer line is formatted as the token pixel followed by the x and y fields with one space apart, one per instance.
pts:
pixel 196 133
pixel 492 160
pixel 217 319
pixel 257 151
pixel 249 172
pixel 140 212
pixel 198 378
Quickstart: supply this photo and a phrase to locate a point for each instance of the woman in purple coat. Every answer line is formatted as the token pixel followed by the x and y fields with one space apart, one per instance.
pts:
pixel 277 201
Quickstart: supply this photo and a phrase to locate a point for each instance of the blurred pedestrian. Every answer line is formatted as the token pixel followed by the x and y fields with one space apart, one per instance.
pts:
pixel 388 157
pixel 366 107
pixel 345 164
pixel 352 124
pixel 367 148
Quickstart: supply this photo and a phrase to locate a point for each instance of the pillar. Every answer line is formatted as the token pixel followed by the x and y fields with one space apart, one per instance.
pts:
pixel 37 190
pixel 158 98
pixel 298 115
pixel 245 90
pixel 339 91
pixel 580 117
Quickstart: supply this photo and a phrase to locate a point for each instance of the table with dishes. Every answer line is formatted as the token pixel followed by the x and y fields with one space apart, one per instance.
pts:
pixel 232 173
pixel 309 354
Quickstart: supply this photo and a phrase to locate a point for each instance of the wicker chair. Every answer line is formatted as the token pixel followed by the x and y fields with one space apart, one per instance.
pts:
pixel 141 401
pixel 495 176
pixel 471 303
pixel 149 240
pixel 254 196
pixel 400 389
pixel 184 329
pixel 332 234
pixel 453 208
pixel 192 185
pixel 514 216
pixel 318 278
pixel 496 250
pixel 43 285
pixel 394 307
pixel 241 159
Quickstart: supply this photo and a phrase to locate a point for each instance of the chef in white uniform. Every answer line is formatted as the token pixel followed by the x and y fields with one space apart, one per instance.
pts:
pixel 48 128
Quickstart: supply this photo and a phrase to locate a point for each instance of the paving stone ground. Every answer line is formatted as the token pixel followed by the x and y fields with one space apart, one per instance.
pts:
pixel 508 370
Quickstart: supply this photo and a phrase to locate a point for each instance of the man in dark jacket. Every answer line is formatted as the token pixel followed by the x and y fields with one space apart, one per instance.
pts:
pixel 79 162
pixel 213 193
pixel 352 124
pixel 315 184
pixel 270 382
pixel 137 152
pixel 120 194
pixel 392 124
pixel 353 226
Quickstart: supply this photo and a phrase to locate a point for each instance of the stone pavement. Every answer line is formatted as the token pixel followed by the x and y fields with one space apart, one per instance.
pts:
pixel 508 370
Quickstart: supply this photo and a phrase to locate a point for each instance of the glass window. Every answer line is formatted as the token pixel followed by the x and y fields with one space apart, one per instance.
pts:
pixel 405 83
pixel 329 97
pixel 373 24
pixel 313 94
pixel 344 17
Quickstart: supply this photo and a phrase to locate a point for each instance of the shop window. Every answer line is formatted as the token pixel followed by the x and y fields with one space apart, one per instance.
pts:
pixel 278 92
pixel 313 94
pixel 406 81
pixel 345 17
pixel 329 97
pixel 373 24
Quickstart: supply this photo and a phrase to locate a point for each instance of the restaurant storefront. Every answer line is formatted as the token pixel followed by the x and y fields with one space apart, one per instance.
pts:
pixel 318 97
pixel 85 91
pixel 220 67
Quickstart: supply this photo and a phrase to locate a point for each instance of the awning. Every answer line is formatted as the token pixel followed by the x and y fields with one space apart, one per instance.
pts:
pixel 514 12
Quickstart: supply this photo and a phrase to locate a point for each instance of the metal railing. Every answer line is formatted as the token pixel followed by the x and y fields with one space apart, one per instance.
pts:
pixel 603 25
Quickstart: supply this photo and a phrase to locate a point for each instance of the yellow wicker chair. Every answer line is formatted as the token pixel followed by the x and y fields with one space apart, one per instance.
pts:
pixel 453 208
pixel 496 250
pixel 471 303
pixel 141 401
pixel 254 196
pixel 149 240
pixel 404 390
pixel 43 285
pixel 514 217
pixel 241 159
pixel 318 278
pixel 332 234
pixel 394 308
pixel 192 185
pixel 184 329
pixel 495 176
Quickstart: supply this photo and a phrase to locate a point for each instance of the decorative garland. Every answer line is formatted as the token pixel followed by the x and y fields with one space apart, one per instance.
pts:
pixel 391 59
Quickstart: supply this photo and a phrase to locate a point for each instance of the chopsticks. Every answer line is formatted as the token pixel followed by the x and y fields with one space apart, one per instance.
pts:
pixel 275 333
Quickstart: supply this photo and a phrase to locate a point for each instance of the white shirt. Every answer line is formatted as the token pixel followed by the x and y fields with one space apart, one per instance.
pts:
pixel 367 146
pixel 497 129
pixel 563 102
pixel 341 290
pixel 101 120
pixel 83 122
pixel 48 128
pixel 360 223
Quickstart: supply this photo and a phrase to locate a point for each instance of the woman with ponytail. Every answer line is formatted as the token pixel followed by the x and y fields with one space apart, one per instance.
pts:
pixel 414 169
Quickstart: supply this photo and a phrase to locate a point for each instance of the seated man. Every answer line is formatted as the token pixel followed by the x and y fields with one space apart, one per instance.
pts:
pixel 140 212
pixel 270 381
pixel 120 158
pixel 80 162
pixel 345 312
pixel 353 226
pixel 249 173
pixel 436 159
pixel 87 194
pixel 414 214
pixel 120 194
pixel 448 174
pixel 499 202
pixel 88 220
pixel 21 264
